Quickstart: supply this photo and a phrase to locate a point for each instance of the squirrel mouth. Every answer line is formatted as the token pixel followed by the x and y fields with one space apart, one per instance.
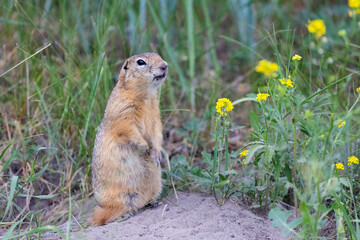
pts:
pixel 160 77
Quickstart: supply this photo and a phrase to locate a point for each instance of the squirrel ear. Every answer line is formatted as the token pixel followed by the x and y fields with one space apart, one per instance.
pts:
pixel 125 66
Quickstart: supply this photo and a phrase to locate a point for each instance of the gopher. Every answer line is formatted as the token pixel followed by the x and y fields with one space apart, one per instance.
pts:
pixel 126 174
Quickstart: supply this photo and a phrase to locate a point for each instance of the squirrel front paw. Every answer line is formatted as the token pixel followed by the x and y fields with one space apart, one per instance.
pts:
pixel 143 149
pixel 156 156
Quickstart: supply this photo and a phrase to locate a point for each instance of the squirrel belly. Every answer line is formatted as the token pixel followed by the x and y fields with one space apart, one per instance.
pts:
pixel 125 170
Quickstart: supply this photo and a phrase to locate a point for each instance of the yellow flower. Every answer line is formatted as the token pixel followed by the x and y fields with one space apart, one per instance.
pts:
pixel 317 27
pixel 322 135
pixel 358 90
pixel 224 104
pixel 296 57
pixel 340 166
pixel 243 162
pixel 262 96
pixel 352 160
pixel 287 82
pixel 244 153
pixel 341 124
pixel 266 67
pixel 354 3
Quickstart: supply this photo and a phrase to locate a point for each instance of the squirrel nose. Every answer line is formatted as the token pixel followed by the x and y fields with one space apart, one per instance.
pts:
pixel 163 66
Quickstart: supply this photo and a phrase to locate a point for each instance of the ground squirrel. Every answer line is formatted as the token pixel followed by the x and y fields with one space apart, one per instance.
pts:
pixel 126 173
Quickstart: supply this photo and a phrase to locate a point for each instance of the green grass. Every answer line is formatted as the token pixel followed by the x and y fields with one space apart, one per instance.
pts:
pixel 59 61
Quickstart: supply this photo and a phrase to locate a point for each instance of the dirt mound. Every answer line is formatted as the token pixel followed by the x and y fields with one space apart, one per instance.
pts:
pixel 195 216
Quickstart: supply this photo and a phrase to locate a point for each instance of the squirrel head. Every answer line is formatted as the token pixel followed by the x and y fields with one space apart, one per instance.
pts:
pixel 145 71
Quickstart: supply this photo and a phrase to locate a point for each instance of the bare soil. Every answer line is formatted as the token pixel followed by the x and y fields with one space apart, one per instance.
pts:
pixel 194 216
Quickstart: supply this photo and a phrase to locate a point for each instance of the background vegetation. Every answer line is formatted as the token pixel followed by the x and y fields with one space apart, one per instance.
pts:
pixel 59 61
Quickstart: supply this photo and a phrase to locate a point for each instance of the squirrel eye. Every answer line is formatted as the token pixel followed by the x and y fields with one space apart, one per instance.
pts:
pixel 141 62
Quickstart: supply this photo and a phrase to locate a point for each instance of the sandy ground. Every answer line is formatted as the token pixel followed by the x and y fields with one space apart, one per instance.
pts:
pixel 195 216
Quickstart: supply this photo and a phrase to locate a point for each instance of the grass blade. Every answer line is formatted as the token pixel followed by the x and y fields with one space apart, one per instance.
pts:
pixel 325 88
pixel 191 48
pixel 13 184
pixel 32 55
pixel 92 95
pixel 38 230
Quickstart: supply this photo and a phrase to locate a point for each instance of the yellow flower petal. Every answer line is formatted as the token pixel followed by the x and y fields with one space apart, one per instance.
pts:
pixel 354 3
pixel 341 124
pixel 244 153
pixel 223 106
pixel 266 67
pixel 339 166
pixel 262 96
pixel 352 160
pixel 317 27
pixel 296 57
pixel 286 82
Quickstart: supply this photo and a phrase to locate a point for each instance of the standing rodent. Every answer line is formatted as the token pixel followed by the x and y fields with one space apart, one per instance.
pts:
pixel 126 173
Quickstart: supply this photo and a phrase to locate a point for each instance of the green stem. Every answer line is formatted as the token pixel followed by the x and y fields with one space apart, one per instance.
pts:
pixel 216 150
pixel 318 207
pixel 294 170
pixel 357 99
pixel 216 196
pixel 267 183
pixel 328 138
pixel 221 146
pixel 226 150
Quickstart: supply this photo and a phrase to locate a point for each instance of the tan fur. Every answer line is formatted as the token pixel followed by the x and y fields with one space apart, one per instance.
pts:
pixel 125 170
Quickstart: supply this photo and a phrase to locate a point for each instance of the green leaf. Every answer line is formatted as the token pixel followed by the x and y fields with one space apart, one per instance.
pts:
pixel 279 219
pixel 287 172
pixel 39 196
pixel 7 163
pixel 38 174
pixel 234 154
pixel 3 152
pixel 175 175
pixel 252 151
pixel 11 229
pixel 198 172
pixel 236 127
pixel 245 99
pixel 346 216
pixel 255 122
pixel 260 188
pixel 345 181
pixel 280 126
pixel 222 177
pixel 206 157
pixel 269 153
pixel 230 172
pixel 221 183
pixel 13 184
pixel 178 160
pixel 321 101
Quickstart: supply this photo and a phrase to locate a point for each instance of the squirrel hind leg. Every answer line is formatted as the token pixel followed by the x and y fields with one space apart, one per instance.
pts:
pixel 105 214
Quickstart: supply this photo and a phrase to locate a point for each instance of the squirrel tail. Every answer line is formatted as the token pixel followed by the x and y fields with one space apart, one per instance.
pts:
pixel 103 215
